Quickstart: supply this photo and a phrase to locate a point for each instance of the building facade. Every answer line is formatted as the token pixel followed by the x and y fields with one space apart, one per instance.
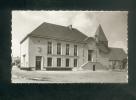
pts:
pixel 55 46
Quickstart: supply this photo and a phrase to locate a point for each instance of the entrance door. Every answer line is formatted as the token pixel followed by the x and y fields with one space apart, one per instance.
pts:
pixel 93 67
pixel 90 55
pixel 38 62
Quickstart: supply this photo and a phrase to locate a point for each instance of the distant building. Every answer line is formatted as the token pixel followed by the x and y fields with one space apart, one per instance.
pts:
pixel 15 61
pixel 55 46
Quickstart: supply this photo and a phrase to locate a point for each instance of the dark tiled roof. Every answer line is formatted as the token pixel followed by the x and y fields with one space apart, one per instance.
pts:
pixel 100 34
pixel 58 32
pixel 88 39
pixel 115 54
pixel 104 49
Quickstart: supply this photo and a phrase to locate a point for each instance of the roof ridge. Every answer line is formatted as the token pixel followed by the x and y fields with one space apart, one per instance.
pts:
pixel 59 25
pixel 58 31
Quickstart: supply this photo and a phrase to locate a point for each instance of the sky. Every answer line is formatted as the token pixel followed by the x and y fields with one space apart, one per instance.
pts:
pixel 114 24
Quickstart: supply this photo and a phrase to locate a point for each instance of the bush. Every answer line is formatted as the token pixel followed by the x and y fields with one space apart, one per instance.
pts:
pixel 58 68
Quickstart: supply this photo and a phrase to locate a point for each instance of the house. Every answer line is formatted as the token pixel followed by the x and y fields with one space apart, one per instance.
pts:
pixel 16 61
pixel 52 46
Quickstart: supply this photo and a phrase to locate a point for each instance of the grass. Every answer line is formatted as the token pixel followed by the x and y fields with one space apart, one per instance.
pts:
pixel 21 76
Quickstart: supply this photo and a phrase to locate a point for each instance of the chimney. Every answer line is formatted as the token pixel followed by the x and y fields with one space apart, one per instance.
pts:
pixel 70 27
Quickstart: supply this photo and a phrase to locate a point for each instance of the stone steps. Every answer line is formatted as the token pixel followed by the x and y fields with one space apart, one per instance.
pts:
pixel 97 66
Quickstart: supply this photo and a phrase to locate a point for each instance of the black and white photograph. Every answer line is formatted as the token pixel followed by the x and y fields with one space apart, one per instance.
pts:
pixel 69 46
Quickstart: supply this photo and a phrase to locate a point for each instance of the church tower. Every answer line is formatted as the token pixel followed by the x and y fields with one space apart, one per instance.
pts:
pixel 100 37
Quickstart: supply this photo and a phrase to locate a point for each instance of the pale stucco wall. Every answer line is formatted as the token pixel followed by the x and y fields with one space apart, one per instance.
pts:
pixel 104 61
pixel 30 48
pixel 42 43
pixel 90 46
pixel 24 51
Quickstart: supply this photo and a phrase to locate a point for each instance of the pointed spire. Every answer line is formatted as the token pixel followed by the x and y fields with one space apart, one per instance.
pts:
pixel 100 34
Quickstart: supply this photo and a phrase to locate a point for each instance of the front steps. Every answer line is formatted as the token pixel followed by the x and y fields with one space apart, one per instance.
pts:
pixel 94 66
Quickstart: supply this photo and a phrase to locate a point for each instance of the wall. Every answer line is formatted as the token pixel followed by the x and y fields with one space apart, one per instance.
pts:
pixel 90 46
pixel 24 51
pixel 104 61
pixel 95 55
pixel 42 43
pixel 35 43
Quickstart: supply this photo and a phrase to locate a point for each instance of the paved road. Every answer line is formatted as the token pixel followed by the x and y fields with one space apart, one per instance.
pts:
pixel 21 76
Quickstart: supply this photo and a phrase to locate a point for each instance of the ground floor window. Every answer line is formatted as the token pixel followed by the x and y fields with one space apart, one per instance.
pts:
pixel 49 61
pixel 75 62
pixel 58 62
pixel 67 62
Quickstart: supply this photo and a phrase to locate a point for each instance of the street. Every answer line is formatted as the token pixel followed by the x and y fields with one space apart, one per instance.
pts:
pixel 23 76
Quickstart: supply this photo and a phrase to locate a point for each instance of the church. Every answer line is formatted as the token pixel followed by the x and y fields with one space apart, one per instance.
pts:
pixel 56 47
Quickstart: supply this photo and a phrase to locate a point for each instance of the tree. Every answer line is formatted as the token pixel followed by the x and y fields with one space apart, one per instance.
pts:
pixel 124 63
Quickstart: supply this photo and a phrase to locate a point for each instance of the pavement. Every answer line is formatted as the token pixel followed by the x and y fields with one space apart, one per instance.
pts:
pixel 23 76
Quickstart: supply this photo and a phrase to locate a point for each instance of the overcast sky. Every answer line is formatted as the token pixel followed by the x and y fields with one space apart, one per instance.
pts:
pixel 114 24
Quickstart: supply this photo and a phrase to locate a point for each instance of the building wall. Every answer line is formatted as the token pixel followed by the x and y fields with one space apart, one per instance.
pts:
pixel 24 47
pixel 90 46
pixel 104 61
pixel 35 43
pixel 34 46
pixel 115 64
pixel 96 54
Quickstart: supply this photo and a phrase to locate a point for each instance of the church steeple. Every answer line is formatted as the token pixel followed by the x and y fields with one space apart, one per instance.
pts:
pixel 100 36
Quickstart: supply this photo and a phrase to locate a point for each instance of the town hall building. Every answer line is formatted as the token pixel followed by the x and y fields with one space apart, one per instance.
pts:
pixel 56 47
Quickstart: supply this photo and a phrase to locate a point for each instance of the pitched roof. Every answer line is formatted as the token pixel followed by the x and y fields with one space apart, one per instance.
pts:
pixel 58 32
pixel 88 39
pixel 115 54
pixel 100 34
pixel 103 48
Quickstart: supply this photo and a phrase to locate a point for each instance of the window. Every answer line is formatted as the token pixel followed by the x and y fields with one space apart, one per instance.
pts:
pixel 75 50
pixel 49 48
pixel 49 61
pixel 75 62
pixel 67 49
pixel 58 62
pixel 67 62
pixel 58 48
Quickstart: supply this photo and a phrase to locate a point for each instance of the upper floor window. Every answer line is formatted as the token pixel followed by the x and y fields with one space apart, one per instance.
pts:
pixel 49 47
pixel 67 49
pixel 75 50
pixel 58 48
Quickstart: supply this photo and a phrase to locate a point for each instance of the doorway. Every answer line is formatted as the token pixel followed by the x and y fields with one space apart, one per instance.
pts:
pixel 38 62
pixel 90 55
pixel 93 67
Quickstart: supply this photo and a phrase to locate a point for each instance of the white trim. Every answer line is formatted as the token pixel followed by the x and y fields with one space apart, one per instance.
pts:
pixel 52 47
